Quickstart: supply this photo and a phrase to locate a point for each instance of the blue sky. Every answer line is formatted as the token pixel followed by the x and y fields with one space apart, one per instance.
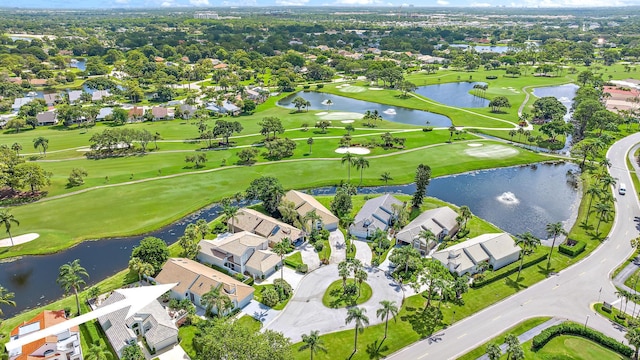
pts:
pixel 58 4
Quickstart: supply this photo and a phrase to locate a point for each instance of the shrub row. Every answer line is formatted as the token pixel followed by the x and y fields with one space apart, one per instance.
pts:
pixel 501 275
pixel 302 268
pixel 492 77
pixel 546 335
pixel 291 264
pixel 572 250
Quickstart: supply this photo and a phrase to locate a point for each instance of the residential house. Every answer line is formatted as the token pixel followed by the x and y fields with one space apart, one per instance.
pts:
pixel 19 102
pixel 62 346
pixel 104 112
pixel 498 250
pixel 376 214
pixel 187 110
pixel 152 323
pixel 195 279
pixel 136 113
pixel 161 113
pixel 220 66
pixel 99 95
pixel 305 203
pixel 38 82
pixel 230 108
pixel 242 252
pixel 52 99
pixel 47 118
pixel 74 96
pixel 264 225
pixel 440 221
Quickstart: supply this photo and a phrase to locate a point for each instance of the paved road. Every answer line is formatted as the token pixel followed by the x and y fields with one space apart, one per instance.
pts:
pixel 566 295
pixel 338 247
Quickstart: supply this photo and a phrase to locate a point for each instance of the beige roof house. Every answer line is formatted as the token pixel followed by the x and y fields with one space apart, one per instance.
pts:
pixel 497 249
pixel 306 203
pixel 195 279
pixel 263 225
pixel 440 221
pixel 241 252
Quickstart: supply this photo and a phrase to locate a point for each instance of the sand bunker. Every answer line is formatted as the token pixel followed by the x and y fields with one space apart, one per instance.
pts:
pixel 474 145
pixel 340 115
pixel 347 121
pixel 491 152
pixel 322 113
pixel 353 150
pixel 20 239
pixel 375 88
pixel 352 89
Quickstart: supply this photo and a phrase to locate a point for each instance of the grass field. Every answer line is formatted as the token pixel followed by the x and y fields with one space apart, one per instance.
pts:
pixel 334 297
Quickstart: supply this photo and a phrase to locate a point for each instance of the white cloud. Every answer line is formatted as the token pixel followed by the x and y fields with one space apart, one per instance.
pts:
pixel 122 1
pixel 291 2
pixel 166 4
pixel 475 4
pixel 442 2
pixel 199 2
pixel 573 3
pixel 357 2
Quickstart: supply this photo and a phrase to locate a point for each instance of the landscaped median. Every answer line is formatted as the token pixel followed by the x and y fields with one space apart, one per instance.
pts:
pixel 340 294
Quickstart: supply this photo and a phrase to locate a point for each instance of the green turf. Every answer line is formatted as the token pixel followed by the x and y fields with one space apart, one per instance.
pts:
pixel 249 322
pixel 295 259
pixel 186 334
pixel 570 348
pixel 257 295
pixel 334 297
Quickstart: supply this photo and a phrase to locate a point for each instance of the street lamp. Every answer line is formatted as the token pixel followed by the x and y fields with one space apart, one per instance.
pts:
pixel 585 323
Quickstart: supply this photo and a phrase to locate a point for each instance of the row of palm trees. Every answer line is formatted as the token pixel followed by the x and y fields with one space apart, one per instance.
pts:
pixel 359 162
pixel 387 310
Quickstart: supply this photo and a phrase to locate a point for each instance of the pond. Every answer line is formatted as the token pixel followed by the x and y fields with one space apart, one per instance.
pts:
pixel 515 199
pixel 454 94
pixel 564 94
pixel 388 112
pixel 79 64
pixel 484 48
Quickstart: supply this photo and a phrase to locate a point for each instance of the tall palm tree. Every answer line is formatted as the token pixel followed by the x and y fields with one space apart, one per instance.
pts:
pixel 5 298
pixel 607 181
pixel 592 191
pixel 602 209
pixel 361 164
pixel 357 315
pixel 310 143
pixel 313 342
pixel 16 147
pixel 343 272
pixel 386 177
pixel 70 278
pixel 311 219
pixel 98 351
pixel 633 336
pixel 360 276
pixel 466 214
pixel 387 309
pixel 6 219
pixel 281 249
pixel 230 212
pixel 554 229
pixel 427 235
pixel 215 298
pixel 328 103
pixel 528 242
pixel 350 160
pixel 141 268
pixel 41 142
pixel 493 351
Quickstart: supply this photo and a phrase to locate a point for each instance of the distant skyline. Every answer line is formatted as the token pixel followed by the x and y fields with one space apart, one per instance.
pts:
pixel 86 4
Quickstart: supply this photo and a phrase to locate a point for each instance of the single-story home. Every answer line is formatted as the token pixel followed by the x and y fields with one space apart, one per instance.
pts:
pixel 47 118
pixel 104 112
pixel 242 252
pixel 52 99
pixel 152 322
pixel 161 112
pixel 98 95
pixel 264 225
pixel 136 113
pixel 230 108
pixel 62 346
pixel 305 203
pixel 440 221
pixel 19 102
pixel 376 214
pixel 498 250
pixel 187 110
pixel 74 96
pixel 38 82
pixel 195 279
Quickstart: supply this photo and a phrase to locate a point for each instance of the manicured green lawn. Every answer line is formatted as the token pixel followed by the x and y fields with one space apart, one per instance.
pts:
pixel 257 295
pixel 325 253
pixel 294 260
pixel 186 334
pixel 250 323
pixel 334 296
pixel 569 348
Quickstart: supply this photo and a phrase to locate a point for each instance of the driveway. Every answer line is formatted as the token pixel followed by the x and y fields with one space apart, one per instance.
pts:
pixel 363 251
pixel 567 295
pixel 338 247
pixel 310 256
pixel 260 311
pixel 291 276
pixel 171 353
pixel 305 311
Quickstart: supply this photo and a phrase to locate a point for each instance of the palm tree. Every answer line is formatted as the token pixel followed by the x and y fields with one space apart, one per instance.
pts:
pixel 493 351
pixel 633 336
pixel 16 147
pixel 350 160
pixel 311 218
pixel 387 308
pixel 230 213
pixel 592 191
pixel 466 214
pixel 328 103
pixel 554 229
pixel 607 181
pixel 406 253
pixel 313 342
pixel 141 268
pixel 70 278
pixel 357 315
pixel 386 177
pixel 427 235
pixel 6 219
pixel 361 163
pixel 360 276
pixel 41 142
pixel 343 272
pixel 5 298
pixel 215 298
pixel 281 249
pixel 528 243
pixel 98 351
pixel 602 209
pixel 310 143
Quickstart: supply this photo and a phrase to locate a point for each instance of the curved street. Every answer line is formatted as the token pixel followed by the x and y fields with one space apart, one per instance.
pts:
pixel 567 295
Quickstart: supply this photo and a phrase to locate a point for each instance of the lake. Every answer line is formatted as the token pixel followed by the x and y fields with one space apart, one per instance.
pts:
pixel 454 94
pixel 388 112
pixel 516 199
pixel 564 94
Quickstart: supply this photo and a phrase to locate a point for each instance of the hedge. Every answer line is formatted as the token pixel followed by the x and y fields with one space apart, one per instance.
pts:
pixel 572 250
pixel 546 335
pixel 502 275
pixel 492 77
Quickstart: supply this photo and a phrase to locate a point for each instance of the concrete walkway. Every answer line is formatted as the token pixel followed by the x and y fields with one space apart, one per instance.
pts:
pixel 338 247
pixel 529 334
pixel 260 311
pixel 290 276
pixel 310 256
pixel 363 252
pixel 625 273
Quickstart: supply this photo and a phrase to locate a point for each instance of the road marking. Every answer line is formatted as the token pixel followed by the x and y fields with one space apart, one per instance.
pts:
pixel 525 303
pixel 461 336
pixel 497 317
pixel 618 247
pixel 555 287
pixel 421 356
pixel 582 273
pixel 603 260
